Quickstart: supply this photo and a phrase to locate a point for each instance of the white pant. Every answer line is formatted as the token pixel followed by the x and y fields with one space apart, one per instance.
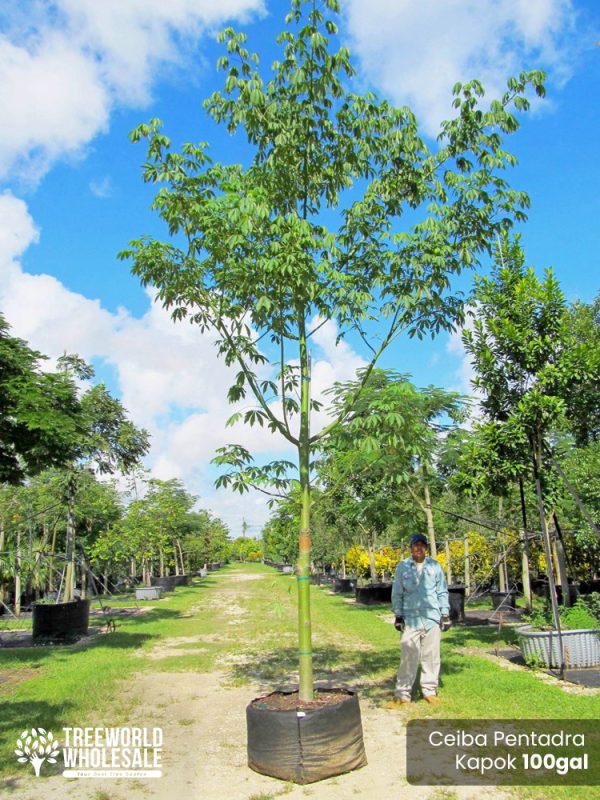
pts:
pixel 419 646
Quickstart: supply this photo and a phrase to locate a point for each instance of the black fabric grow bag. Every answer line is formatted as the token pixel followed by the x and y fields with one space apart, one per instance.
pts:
pixel 456 599
pixel 504 600
pixel 61 620
pixel 306 746
pixel 376 593
pixel 344 585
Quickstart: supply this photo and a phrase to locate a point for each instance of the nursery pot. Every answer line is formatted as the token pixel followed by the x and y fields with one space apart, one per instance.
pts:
pixel 308 745
pixel 456 598
pixel 344 585
pixel 61 620
pixel 573 593
pixel 373 594
pixel 581 647
pixel 181 580
pixel 166 582
pixel 148 593
pixel 503 599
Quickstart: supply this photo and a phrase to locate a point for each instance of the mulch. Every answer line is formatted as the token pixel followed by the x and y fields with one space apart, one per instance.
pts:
pixel 290 701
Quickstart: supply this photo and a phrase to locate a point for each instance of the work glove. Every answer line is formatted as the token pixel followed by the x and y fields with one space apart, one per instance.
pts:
pixel 445 623
pixel 399 624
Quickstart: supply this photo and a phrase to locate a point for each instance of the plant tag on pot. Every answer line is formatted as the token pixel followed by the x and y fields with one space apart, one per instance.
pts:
pixel 300 713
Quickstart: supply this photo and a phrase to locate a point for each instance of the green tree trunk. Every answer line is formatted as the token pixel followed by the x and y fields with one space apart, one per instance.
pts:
pixel 303 569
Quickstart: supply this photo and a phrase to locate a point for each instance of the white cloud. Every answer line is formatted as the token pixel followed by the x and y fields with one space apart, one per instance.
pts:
pixel 102 187
pixel 416 50
pixel 169 376
pixel 65 65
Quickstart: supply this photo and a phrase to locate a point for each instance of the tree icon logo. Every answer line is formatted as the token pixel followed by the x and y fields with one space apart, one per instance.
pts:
pixel 37 746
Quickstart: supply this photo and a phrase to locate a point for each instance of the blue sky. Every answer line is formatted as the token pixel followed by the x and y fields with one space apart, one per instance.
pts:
pixel 77 75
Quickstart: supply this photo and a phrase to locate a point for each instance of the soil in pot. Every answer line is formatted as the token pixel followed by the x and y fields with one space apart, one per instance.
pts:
pixel 305 742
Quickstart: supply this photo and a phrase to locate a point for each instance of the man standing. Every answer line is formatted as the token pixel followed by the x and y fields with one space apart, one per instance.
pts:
pixel 420 603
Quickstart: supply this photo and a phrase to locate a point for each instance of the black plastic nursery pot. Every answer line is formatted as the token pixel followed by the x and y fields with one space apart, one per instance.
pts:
pixel 456 598
pixel 503 599
pixel 61 620
pixel 374 594
pixel 304 746
pixel 573 593
pixel 344 585
pixel 169 582
pixel 166 582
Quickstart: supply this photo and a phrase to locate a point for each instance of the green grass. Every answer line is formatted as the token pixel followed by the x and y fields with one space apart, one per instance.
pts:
pixel 248 629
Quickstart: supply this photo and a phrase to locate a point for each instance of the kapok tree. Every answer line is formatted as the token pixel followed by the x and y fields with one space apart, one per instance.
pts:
pixel 254 258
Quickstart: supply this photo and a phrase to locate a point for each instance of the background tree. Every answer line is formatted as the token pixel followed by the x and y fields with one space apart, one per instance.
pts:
pixel 38 411
pixel 252 259
pixel 385 447
pixel 523 352
pixel 104 441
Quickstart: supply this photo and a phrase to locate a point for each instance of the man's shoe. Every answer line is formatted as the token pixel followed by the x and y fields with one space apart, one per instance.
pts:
pixel 432 699
pixel 398 702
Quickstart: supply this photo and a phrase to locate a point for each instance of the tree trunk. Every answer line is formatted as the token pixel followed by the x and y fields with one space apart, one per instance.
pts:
pixel 69 586
pixel 429 517
pixel 448 561
pixel 536 452
pixel 561 564
pixel 18 573
pixel 181 557
pixel 2 541
pixel 371 552
pixel 161 563
pixel 501 574
pixel 467 568
pixel 306 686
pixel 525 552
pixel 84 568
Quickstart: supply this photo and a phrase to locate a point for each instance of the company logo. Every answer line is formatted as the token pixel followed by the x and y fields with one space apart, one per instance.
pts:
pixel 95 752
pixel 36 746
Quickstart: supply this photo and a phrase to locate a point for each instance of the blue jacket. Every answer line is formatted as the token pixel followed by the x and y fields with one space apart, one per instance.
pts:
pixel 422 601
